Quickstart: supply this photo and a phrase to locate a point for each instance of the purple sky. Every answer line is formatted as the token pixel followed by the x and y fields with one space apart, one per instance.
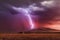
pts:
pixel 18 23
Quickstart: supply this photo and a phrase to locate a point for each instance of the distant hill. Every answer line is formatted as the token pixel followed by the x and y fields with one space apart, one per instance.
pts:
pixel 42 30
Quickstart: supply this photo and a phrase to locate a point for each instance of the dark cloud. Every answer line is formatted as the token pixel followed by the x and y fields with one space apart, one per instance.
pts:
pixel 15 23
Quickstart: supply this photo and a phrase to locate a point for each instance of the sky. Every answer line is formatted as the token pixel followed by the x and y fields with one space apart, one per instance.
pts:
pixel 19 22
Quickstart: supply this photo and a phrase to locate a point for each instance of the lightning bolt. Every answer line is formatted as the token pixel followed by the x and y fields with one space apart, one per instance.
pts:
pixel 29 18
pixel 26 12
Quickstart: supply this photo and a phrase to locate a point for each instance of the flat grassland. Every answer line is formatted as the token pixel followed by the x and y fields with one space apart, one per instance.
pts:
pixel 32 36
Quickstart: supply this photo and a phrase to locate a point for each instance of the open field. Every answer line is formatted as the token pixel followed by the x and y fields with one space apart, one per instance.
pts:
pixel 39 36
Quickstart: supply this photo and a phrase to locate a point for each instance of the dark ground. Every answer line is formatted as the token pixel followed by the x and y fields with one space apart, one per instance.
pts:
pixel 40 36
